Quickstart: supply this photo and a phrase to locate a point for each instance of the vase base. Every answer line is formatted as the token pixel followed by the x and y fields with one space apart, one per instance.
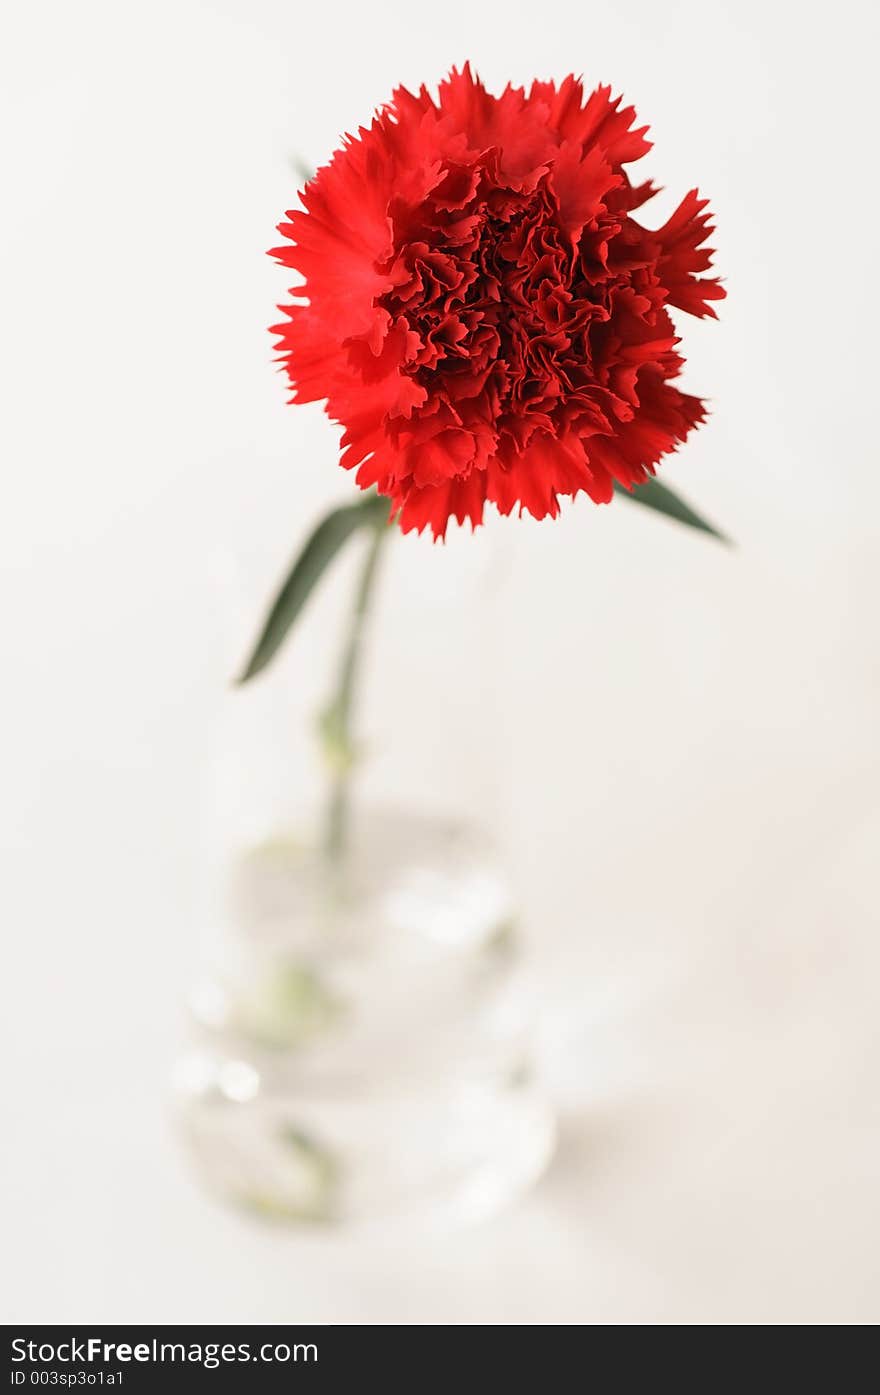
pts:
pixel 363 1037
pixel 439 1158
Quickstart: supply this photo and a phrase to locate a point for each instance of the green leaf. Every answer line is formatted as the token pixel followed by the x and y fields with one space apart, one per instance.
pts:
pixel 318 552
pixel 655 495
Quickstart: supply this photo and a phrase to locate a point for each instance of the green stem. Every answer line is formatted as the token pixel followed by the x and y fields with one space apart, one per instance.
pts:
pixel 336 721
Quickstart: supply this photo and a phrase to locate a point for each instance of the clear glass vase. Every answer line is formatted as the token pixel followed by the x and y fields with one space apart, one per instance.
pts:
pixel 360 1037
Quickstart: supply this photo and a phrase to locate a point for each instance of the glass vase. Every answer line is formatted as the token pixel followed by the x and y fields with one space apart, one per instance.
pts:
pixel 360 1033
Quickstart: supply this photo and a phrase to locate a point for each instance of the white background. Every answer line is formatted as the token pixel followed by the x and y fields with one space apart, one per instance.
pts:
pixel 691 732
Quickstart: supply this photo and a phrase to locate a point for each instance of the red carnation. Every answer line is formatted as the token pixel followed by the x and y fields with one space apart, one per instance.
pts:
pixel 485 318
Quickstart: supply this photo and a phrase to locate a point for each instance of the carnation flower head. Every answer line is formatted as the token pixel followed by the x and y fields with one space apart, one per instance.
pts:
pixel 484 315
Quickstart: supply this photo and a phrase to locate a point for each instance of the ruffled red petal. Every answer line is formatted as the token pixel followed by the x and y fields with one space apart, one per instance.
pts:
pixel 483 314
